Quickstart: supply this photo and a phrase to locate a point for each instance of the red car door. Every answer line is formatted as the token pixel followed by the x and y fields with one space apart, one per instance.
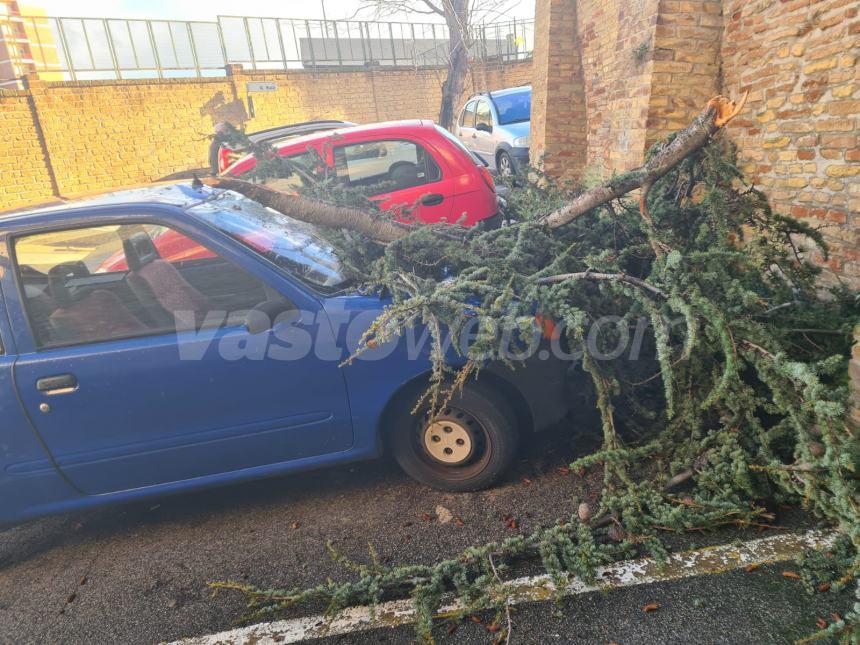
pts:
pixel 407 171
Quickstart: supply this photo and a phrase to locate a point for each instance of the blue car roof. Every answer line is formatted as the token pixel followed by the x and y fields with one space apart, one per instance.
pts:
pixel 512 90
pixel 176 193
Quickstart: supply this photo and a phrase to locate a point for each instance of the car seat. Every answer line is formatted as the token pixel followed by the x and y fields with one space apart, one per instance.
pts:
pixel 158 285
pixel 404 174
pixel 83 314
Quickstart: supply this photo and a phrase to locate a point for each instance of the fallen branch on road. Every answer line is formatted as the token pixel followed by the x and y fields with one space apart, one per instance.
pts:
pixel 729 380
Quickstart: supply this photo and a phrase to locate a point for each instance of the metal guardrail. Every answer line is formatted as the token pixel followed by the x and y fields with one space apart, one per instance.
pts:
pixel 119 48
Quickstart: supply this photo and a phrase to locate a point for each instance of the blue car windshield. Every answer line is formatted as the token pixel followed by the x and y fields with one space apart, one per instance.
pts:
pixel 295 246
pixel 515 107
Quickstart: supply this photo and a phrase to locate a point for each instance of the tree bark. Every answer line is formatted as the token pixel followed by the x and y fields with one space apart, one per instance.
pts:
pixel 716 114
pixel 457 19
pixel 314 212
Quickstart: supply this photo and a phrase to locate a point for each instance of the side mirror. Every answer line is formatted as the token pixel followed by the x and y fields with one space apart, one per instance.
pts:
pixel 263 317
pixel 483 127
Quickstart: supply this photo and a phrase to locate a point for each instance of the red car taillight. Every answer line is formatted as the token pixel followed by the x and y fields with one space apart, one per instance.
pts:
pixel 487 177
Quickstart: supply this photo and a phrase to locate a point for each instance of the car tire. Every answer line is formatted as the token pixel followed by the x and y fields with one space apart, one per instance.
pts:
pixel 506 165
pixel 467 447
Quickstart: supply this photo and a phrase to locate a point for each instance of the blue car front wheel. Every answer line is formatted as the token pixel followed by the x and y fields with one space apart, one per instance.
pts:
pixel 467 446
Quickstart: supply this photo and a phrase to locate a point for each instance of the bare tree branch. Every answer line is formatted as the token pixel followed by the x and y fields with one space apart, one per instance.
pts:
pixel 460 16
pixel 434 8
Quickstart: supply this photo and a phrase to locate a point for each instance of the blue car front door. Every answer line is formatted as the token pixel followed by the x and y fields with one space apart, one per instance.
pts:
pixel 123 402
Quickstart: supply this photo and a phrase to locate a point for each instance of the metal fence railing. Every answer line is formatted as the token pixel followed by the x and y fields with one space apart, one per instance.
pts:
pixel 118 48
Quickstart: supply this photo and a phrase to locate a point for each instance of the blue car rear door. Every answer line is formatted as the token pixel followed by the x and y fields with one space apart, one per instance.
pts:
pixel 124 396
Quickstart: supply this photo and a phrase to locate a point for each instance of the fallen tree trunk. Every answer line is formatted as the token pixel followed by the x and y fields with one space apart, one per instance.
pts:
pixel 716 114
pixel 695 136
pixel 314 212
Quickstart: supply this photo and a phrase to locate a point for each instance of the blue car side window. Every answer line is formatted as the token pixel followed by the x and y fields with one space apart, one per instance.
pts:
pixel 114 281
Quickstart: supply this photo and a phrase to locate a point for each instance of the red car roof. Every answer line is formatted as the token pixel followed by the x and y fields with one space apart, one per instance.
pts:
pixel 392 128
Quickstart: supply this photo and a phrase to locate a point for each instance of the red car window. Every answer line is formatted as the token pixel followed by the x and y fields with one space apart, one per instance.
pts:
pixel 171 245
pixel 414 165
pixel 385 166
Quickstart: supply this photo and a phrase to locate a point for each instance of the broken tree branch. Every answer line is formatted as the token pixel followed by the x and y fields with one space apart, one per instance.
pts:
pixel 314 212
pixel 612 277
pixel 716 114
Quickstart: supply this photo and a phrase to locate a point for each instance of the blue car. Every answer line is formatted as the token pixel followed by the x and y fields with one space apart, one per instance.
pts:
pixel 168 338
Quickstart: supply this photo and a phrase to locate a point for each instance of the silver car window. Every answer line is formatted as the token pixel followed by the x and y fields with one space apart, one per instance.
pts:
pixel 467 119
pixel 484 116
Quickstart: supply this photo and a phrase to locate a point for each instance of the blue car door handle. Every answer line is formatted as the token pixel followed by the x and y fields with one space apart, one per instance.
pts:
pixel 60 384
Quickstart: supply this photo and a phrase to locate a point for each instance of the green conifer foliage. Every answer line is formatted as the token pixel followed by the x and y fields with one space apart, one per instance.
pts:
pixel 739 394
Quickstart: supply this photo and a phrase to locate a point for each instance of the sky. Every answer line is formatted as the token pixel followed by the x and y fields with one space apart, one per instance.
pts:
pixel 209 9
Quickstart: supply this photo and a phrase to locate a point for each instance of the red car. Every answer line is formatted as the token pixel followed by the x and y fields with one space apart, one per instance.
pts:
pixel 400 164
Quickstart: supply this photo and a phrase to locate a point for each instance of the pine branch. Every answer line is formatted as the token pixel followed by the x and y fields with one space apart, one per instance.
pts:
pixel 613 277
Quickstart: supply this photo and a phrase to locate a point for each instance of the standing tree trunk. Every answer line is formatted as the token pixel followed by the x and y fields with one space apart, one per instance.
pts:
pixel 457 19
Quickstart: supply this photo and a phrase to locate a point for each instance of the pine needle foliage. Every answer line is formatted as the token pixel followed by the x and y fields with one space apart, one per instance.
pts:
pixel 740 390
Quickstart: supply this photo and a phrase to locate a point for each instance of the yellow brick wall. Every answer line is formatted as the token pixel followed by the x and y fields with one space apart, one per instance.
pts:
pixel 105 134
pixel 799 137
pixel 650 66
pixel 24 176
pixel 617 41
pixel 108 134
pixel 685 64
pixel 593 67
pixel 559 119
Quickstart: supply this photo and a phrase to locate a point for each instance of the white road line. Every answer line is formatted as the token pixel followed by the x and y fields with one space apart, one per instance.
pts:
pixel 711 560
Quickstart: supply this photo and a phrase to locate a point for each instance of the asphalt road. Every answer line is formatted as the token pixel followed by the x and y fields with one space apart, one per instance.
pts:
pixel 138 573
pixel 738 607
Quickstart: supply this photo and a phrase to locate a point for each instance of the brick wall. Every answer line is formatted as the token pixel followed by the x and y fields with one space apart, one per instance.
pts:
pixel 642 68
pixel 107 134
pixel 649 66
pixel 798 137
pixel 617 41
pixel 24 175
pixel 685 64
pixel 592 84
pixel 559 123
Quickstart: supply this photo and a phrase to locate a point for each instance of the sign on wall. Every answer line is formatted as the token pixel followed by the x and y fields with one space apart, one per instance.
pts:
pixel 261 86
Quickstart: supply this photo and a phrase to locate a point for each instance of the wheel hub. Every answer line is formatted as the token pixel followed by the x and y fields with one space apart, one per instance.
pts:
pixel 448 441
